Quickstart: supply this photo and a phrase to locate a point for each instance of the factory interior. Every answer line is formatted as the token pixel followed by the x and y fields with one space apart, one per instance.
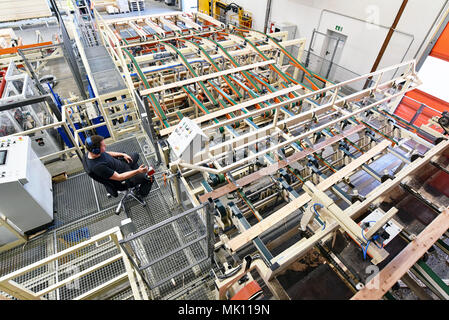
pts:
pixel 294 149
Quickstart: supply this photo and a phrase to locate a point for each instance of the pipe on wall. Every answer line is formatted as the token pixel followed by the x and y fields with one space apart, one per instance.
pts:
pixel 267 16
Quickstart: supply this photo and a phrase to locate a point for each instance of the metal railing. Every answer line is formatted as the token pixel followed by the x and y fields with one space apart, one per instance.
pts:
pixel 69 269
pixel 174 254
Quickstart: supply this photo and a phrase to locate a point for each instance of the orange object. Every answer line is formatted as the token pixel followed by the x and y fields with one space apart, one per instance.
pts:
pixel 441 48
pixel 411 103
pixel 249 292
pixel 15 49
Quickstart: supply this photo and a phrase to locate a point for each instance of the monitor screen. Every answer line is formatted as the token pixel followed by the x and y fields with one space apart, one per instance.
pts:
pixel 3 157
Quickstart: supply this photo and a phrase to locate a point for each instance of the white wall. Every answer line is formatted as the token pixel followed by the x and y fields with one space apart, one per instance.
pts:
pixel 433 74
pixel 364 40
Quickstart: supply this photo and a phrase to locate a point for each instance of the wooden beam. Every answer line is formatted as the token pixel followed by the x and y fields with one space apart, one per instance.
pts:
pixel 288 90
pixel 297 250
pixel 387 277
pixel 170 24
pixel 381 222
pixel 189 22
pixel 155 27
pixel 279 165
pixel 283 213
pixel 354 165
pixel 205 77
pixel 210 19
pixel 287 142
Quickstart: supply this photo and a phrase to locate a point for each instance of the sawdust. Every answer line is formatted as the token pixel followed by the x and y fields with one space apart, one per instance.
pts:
pixel 311 260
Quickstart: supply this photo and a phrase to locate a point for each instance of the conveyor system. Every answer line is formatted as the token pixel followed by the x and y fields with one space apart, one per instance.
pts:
pixel 303 185
pixel 282 148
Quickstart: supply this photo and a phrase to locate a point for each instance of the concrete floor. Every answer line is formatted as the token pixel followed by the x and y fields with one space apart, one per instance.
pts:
pixel 66 85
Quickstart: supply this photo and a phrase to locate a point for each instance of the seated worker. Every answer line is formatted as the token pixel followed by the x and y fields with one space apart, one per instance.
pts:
pixel 117 166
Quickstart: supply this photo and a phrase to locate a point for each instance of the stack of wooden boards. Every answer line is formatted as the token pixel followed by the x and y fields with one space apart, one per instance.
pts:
pixel 112 6
pixel 23 9
pixel 5 37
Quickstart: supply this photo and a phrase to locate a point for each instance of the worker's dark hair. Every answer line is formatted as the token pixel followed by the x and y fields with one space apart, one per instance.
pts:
pixel 93 142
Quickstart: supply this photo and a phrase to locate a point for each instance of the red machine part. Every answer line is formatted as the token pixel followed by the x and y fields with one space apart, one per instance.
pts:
pixel 248 292
pixel 413 101
pixel 3 82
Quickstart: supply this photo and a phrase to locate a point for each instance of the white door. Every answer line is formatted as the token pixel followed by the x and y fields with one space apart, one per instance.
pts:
pixel 332 50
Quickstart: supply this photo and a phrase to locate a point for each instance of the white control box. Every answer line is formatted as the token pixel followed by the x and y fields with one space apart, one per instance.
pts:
pixel 186 140
pixel 26 195
pixel 390 227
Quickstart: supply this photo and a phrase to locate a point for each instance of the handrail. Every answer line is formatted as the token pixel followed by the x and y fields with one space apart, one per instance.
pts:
pixel 8 285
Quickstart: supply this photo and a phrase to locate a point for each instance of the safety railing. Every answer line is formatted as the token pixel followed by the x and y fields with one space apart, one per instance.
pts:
pixel 116 111
pixel 175 252
pixel 55 125
pixel 70 270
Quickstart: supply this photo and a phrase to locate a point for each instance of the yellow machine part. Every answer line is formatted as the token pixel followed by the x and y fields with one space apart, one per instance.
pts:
pixel 204 6
pixel 211 8
pixel 245 19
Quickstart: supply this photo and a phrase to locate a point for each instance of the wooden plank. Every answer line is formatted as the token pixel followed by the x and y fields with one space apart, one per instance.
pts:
pixel 170 24
pixel 387 277
pixel 287 142
pixel 210 19
pixel 205 77
pixel 288 209
pixel 188 22
pixel 156 28
pixel 354 211
pixel 279 165
pixel 268 222
pixel 24 9
pixel 346 171
pixel 288 90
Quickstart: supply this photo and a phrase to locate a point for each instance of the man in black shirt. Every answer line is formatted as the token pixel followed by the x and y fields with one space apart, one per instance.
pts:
pixel 117 166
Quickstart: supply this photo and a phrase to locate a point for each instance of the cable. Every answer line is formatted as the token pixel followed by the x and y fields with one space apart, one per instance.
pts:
pixel 318 216
pixel 374 238
pixel 365 249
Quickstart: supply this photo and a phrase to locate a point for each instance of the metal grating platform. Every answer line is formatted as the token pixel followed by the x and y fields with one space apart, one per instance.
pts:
pixel 83 211
pixel 74 199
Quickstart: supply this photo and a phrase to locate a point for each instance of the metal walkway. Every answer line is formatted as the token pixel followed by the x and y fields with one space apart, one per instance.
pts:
pixel 82 210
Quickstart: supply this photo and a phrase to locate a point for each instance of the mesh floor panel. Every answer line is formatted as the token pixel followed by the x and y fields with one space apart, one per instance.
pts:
pixel 74 199
pixel 79 218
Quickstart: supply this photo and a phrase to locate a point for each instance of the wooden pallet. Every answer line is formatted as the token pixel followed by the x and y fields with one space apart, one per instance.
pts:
pixel 24 9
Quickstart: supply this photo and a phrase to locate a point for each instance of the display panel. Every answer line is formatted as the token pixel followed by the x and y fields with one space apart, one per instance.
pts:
pixel 3 157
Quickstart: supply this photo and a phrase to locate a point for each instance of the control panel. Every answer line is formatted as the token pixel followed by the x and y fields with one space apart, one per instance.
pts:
pixel 13 158
pixel 26 194
pixel 186 140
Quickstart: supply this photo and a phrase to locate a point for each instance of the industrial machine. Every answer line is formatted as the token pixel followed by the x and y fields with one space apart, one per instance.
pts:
pixel 277 183
pixel 19 87
pixel 218 9
pixel 26 195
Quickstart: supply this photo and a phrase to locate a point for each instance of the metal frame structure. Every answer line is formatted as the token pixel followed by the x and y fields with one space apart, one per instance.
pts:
pixel 195 228
pixel 70 259
pixel 264 123
pixel 282 159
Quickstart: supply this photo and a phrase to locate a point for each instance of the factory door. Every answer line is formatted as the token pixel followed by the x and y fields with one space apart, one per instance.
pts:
pixel 325 51
pixel 332 50
pixel 333 47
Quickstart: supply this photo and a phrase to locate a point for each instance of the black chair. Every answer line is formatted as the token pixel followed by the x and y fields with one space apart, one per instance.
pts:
pixel 114 188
